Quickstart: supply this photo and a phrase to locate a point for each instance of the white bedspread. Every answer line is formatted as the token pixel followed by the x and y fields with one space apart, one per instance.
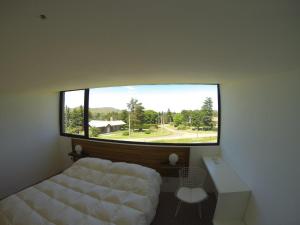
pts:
pixel 92 191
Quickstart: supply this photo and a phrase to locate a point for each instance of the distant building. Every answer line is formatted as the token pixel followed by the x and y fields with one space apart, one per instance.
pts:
pixel 106 126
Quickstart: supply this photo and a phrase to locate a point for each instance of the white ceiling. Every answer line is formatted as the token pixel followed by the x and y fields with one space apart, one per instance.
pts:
pixel 97 43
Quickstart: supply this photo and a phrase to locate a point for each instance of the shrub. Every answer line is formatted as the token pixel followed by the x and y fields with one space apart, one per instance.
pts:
pixel 150 125
pixel 74 130
pixel 94 131
pixel 125 133
pixel 182 127
pixel 153 128
pixel 206 128
pixel 147 131
pixel 146 126
pixel 124 127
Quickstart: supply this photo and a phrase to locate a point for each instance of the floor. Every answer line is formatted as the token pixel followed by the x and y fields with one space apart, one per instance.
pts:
pixel 188 214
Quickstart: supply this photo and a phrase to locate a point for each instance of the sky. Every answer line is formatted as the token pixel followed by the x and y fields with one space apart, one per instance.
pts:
pixel 156 97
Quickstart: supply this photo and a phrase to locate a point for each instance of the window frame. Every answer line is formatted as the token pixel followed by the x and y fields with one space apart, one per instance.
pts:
pixel 85 114
pixel 86 123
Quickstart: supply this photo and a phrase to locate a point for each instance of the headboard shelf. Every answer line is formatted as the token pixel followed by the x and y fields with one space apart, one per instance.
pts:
pixel 152 156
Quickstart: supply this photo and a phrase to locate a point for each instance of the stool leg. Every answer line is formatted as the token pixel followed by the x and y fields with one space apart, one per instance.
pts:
pixel 200 210
pixel 178 207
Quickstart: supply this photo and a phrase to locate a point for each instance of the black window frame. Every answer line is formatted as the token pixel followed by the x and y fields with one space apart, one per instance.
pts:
pixel 85 114
pixel 86 123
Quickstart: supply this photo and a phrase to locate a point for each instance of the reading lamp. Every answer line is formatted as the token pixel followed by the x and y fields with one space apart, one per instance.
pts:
pixel 78 149
pixel 173 159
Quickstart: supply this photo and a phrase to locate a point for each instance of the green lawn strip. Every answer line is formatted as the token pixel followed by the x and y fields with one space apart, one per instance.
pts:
pixel 118 135
pixel 190 130
pixel 201 131
pixel 188 140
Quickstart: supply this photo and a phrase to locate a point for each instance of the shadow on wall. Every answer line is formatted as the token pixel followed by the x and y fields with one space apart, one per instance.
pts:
pixel 65 147
pixel 252 212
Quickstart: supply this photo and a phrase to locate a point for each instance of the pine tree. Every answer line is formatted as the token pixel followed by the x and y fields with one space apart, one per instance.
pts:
pixel 207 110
pixel 136 111
pixel 169 116
pixel 67 117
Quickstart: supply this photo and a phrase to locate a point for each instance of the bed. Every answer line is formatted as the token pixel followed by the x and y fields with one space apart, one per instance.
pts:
pixel 91 192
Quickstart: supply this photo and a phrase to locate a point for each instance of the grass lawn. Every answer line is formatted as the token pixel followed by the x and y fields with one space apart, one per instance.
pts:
pixel 188 140
pixel 118 135
pixel 190 130
pixel 201 131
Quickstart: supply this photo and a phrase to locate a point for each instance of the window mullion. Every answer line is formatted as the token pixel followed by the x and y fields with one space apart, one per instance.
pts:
pixel 86 113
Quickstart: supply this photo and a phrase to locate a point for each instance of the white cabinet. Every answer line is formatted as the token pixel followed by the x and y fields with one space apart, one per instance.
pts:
pixel 232 193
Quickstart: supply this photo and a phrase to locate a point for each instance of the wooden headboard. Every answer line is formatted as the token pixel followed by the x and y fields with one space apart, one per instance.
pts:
pixel 152 156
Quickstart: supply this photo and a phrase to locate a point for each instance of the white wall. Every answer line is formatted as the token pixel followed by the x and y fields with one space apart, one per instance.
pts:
pixel 65 146
pixel 29 139
pixel 197 152
pixel 260 139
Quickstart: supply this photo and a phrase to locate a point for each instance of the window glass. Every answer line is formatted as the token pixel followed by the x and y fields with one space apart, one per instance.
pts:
pixel 180 114
pixel 73 112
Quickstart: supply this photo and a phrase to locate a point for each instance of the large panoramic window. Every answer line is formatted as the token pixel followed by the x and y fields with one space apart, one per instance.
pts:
pixel 157 114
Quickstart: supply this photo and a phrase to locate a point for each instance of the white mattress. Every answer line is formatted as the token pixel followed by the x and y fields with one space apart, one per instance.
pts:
pixel 92 191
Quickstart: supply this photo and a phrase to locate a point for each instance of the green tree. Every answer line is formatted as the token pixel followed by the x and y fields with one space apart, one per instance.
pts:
pixel 112 115
pixel 178 119
pixel 94 131
pixel 124 115
pixel 197 119
pixel 136 114
pixel 207 109
pixel 186 116
pixel 139 116
pixel 91 115
pixel 159 117
pixel 163 118
pixel 169 116
pixel 76 120
pixel 67 114
pixel 150 116
pixel 99 116
pixel 81 114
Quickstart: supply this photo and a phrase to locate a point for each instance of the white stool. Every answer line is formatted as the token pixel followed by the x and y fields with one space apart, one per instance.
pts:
pixel 191 180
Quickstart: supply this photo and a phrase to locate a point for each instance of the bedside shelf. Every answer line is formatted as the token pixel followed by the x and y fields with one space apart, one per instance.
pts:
pixel 75 156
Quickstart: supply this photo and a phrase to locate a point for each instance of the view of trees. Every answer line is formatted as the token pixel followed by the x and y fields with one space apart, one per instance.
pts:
pixel 138 119
pixel 136 115
pixel 73 120
pixel 207 113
